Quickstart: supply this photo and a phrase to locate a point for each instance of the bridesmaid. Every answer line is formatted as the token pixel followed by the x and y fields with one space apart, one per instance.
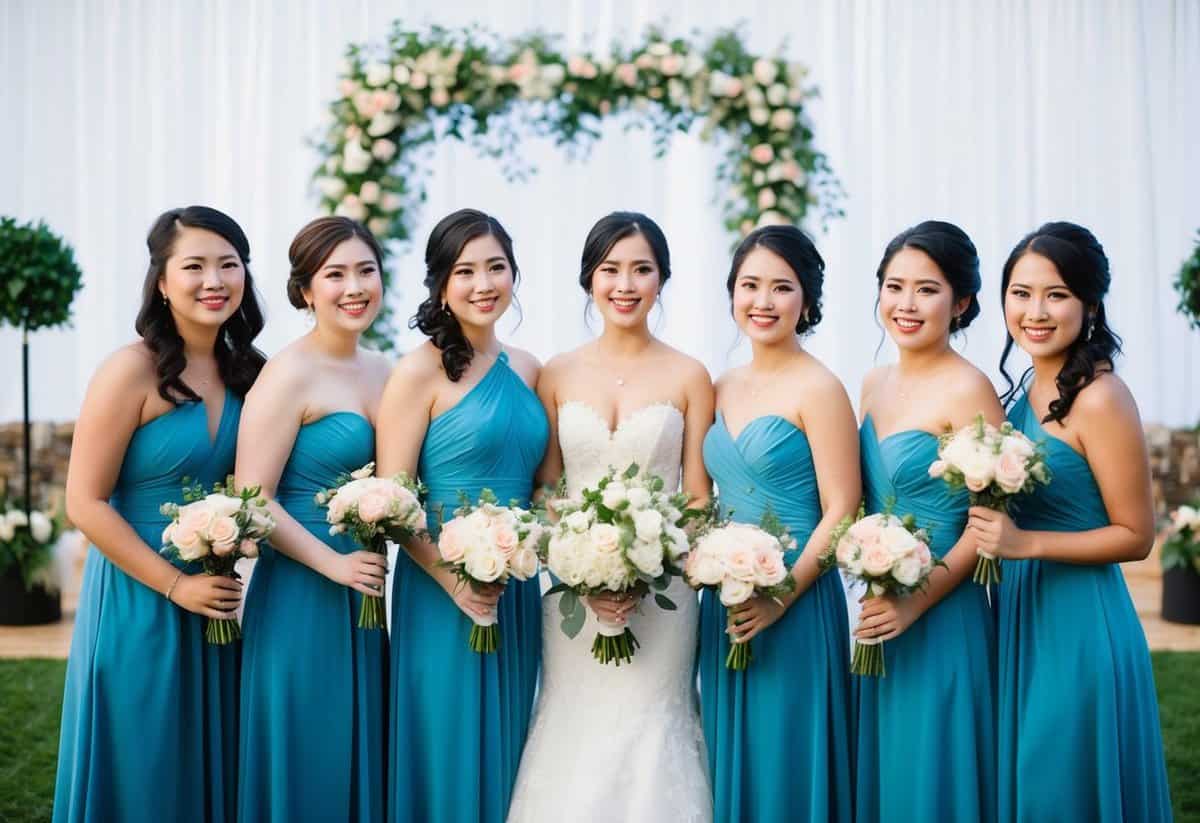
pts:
pixel 785 439
pixel 459 413
pixel 1079 731
pixel 927 731
pixel 314 686
pixel 149 725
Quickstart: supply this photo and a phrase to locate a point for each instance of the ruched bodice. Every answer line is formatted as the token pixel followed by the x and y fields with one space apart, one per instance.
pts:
pixel 325 449
pixel 896 474
pixel 778 733
pixel 494 437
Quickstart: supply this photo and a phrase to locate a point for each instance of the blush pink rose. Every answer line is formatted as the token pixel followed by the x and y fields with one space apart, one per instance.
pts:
pixel 374 506
pixel 876 560
pixel 451 543
pixel 740 562
pixel 506 538
pixel 223 530
pixel 626 73
pixel 1010 472
pixel 223 549
pixel 769 569
pixel 195 518
pixel 248 548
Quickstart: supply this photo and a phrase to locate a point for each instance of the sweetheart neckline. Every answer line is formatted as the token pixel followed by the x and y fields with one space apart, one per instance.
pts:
pixel 612 432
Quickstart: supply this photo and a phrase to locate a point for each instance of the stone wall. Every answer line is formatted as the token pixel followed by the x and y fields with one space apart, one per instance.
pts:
pixel 1174 462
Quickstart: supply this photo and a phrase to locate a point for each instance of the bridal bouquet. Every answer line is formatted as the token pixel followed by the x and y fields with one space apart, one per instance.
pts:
pixel 489 543
pixel 626 533
pixel 993 464
pixel 217 529
pixel 739 561
pixel 888 553
pixel 373 509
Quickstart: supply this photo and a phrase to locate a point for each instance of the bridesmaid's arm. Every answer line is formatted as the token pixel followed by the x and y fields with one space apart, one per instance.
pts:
pixel 833 436
pixel 551 469
pixel 697 419
pixel 404 414
pixel 270 422
pixel 110 414
pixel 1110 430
pixel 888 616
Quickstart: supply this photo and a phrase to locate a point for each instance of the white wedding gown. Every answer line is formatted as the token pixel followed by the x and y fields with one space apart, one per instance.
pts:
pixel 612 743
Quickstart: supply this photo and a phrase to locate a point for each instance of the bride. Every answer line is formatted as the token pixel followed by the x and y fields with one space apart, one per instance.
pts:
pixel 625 743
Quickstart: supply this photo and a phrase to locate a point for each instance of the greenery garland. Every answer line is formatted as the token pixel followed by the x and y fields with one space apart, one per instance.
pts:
pixel 422 87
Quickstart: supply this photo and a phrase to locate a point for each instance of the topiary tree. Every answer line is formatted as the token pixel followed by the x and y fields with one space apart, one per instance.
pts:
pixel 38 283
pixel 1187 283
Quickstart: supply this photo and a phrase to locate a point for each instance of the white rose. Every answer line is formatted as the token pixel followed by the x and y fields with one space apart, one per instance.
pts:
pixel 331 187
pixel 486 564
pixel 638 497
pixel 351 207
pixel 908 571
pixel 765 71
pixel 222 505
pixel 378 74
pixel 899 541
pixel 614 494
pixel 401 75
pixel 383 149
pixel 369 192
pixel 647 556
pixel 40 526
pixel 616 573
pixel 777 94
pixel 577 521
pixel 391 202
pixel 605 537
pixel 704 568
pixel 383 124
pixel 783 119
pixel 7 530
pixel 759 115
pixel 355 159
pixel 679 542
pixel 523 564
pixel 379 226
pixel 563 558
pixel 648 524
pixel 734 592
pixel 16 518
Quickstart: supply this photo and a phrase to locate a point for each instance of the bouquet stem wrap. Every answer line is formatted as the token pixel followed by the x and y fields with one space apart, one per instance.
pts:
pixel 868 652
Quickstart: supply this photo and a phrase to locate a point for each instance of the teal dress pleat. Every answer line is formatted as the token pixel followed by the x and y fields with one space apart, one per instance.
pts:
pixel 1079 730
pixel 459 718
pixel 927 731
pixel 779 733
pixel 314 685
pixel 150 710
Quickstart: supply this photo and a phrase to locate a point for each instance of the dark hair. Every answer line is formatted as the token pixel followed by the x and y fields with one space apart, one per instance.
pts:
pixel 446 242
pixel 797 250
pixel 611 229
pixel 312 246
pixel 953 252
pixel 238 361
pixel 1083 266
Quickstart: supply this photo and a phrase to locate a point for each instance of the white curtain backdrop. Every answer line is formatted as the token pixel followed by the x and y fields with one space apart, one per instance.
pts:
pixel 996 115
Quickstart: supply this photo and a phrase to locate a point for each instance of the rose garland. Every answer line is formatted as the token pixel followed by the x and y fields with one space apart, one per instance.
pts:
pixel 470 85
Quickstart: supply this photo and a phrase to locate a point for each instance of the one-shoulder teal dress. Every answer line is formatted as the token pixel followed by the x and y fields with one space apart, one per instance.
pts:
pixel 778 733
pixel 150 710
pixel 459 718
pixel 314 685
pixel 1079 731
pixel 927 731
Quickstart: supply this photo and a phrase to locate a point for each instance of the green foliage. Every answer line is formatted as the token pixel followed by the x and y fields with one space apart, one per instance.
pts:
pixel 1187 283
pixel 38 276
pixel 397 99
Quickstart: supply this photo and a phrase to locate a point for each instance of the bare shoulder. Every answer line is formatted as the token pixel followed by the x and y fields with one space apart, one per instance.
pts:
pixel 127 372
pixel 970 393
pixel 559 365
pixel 692 371
pixel 285 370
pixel 524 363
pixel 871 381
pixel 1106 395
pixel 730 378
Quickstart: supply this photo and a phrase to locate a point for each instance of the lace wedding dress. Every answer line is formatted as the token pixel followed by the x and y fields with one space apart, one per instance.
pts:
pixel 612 743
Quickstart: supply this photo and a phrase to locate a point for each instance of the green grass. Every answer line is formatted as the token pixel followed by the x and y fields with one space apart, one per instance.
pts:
pixel 31 701
pixel 1178 677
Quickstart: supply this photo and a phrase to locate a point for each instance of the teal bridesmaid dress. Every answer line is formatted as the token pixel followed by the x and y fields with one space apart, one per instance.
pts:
pixel 150 710
pixel 314 686
pixel 1079 733
pixel 927 731
pixel 778 733
pixel 459 718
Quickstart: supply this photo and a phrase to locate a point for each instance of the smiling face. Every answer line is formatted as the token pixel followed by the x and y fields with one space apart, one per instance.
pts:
pixel 916 302
pixel 480 285
pixel 626 283
pixel 203 279
pixel 346 292
pixel 1043 316
pixel 768 300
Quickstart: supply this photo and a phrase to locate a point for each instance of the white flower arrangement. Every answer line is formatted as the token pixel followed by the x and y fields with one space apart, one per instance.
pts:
pixel 489 543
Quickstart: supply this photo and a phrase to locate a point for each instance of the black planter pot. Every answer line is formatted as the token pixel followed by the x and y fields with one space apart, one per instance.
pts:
pixel 19 607
pixel 1181 596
